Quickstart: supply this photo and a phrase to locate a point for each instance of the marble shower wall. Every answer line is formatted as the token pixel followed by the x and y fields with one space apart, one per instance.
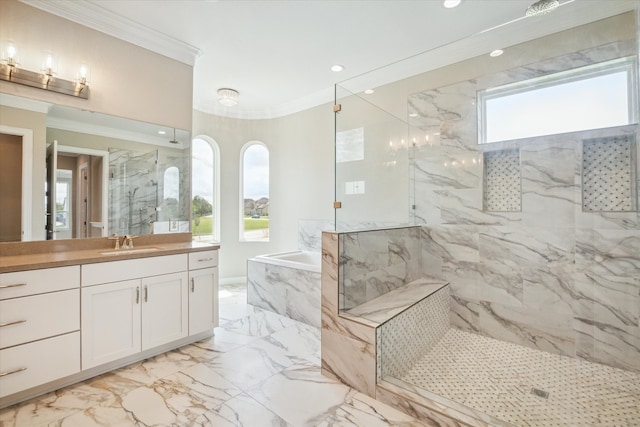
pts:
pixel 136 188
pixel 132 193
pixel 548 275
pixel 310 233
pixel 375 262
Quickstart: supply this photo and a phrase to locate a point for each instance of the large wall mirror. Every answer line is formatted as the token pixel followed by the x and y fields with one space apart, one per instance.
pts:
pixel 67 173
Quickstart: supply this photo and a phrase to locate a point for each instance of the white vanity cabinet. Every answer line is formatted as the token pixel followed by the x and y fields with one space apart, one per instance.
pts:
pixel 124 317
pixel 66 324
pixel 203 291
pixel 39 327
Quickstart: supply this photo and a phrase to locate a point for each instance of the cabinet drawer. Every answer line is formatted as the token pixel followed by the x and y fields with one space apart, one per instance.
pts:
pixel 205 259
pixel 39 362
pixel 21 283
pixel 116 271
pixel 39 316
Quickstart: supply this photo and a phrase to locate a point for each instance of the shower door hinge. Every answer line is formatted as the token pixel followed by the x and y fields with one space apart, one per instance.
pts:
pixel 337 108
pixel 337 205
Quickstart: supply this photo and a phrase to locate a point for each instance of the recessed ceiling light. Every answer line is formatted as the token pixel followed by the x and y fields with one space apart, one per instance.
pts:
pixel 337 68
pixel 369 91
pixel 413 114
pixel 450 4
pixel 161 132
pixel 496 52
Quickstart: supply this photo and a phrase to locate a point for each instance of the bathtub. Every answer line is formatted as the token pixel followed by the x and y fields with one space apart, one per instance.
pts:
pixel 286 283
pixel 301 260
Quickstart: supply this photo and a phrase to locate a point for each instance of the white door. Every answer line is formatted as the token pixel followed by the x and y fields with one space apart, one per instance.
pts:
pixel 52 170
pixel 165 308
pixel 110 322
pixel 203 300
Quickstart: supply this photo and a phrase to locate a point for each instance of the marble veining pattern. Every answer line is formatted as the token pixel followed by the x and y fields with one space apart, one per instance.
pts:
pixel 260 369
pixel 553 275
pixel 385 307
pixel 291 292
pixel 373 263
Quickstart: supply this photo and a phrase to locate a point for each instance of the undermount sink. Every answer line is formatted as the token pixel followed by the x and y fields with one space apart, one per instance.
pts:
pixel 128 251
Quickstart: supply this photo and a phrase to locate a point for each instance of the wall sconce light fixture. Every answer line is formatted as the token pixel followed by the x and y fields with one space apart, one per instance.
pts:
pixel 45 79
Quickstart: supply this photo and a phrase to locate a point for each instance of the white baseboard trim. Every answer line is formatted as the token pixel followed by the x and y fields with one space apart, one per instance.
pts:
pixel 233 280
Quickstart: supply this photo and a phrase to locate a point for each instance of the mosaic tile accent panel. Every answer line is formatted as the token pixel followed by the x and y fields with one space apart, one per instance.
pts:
pixel 404 339
pixel 502 184
pixel 509 382
pixel 608 175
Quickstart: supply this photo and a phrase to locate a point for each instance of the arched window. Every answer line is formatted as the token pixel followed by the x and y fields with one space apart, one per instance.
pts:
pixel 205 189
pixel 254 191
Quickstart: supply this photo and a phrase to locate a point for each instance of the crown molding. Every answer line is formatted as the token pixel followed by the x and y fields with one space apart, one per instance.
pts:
pixel 24 103
pixel 109 132
pixel 91 15
pixel 265 113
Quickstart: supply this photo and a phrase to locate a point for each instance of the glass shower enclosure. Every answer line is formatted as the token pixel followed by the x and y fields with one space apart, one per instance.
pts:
pixel 522 173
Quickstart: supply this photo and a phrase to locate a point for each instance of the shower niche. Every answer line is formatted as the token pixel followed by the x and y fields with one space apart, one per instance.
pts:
pixel 609 180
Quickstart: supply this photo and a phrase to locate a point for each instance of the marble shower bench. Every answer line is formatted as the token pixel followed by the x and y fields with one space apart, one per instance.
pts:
pixel 386 335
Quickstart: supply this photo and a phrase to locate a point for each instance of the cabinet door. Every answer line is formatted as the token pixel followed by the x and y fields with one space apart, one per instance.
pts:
pixel 110 322
pixel 203 300
pixel 165 308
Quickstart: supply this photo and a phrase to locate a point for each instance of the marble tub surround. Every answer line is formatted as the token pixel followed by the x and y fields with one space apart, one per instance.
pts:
pixel 203 384
pixel 291 292
pixel 554 274
pixel 21 256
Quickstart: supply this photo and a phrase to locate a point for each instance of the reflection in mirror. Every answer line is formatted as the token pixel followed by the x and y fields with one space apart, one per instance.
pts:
pixel 104 174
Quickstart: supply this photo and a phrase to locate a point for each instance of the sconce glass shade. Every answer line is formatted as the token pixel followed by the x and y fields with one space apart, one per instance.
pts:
pixel 84 73
pixel 49 64
pixel 228 97
pixel 10 54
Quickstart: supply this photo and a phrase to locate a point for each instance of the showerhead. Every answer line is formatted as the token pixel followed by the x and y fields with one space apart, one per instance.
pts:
pixel 542 7
pixel 174 140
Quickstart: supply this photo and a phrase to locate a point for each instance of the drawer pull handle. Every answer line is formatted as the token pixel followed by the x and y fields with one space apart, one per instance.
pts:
pixel 2 325
pixel 193 284
pixel 205 259
pixel 15 371
pixel 146 294
pixel 12 286
pixel 137 294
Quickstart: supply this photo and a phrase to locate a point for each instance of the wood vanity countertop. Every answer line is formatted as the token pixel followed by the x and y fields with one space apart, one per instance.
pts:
pixel 55 257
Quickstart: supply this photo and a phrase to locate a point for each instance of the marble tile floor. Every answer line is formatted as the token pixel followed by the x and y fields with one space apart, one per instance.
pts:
pixel 260 369
pixel 497 377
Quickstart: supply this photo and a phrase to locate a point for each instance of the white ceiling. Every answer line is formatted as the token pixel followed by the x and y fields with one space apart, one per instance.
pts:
pixel 278 54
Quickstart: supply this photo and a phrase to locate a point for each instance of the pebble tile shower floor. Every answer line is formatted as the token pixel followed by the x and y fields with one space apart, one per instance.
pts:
pixel 498 378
